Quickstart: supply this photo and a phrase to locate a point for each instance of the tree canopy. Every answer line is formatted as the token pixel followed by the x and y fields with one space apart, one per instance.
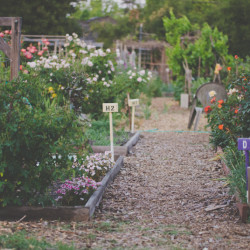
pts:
pixel 41 16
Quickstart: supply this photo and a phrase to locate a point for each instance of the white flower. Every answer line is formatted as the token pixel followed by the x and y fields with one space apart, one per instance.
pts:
pixel 70 38
pixel 108 50
pixel 139 79
pixel 83 51
pixel 232 91
pixel 90 64
pixel 32 64
pixel 212 93
pixel 142 72
pixel 109 72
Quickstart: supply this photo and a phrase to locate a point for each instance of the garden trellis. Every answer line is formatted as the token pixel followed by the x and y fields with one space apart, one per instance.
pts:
pixel 12 51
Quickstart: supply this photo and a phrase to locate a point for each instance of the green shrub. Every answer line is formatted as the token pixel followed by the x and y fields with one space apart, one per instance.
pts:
pixel 36 138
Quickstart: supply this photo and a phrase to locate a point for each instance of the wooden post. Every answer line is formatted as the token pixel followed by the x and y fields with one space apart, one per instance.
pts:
pixel 111 135
pixel 13 52
pixel 109 108
pixel 128 97
pixel 15 47
pixel 132 103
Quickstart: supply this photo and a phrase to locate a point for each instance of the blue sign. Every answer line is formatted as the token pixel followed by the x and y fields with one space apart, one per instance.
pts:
pixel 244 144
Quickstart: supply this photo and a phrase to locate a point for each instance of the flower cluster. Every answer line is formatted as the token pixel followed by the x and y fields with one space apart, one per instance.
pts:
pixel 75 191
pixel 140 76
pixel 97 165
pixel 51 62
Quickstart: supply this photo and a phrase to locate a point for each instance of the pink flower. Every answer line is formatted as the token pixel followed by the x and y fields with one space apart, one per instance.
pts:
pixel 28 55
pixel 1 34
pixel 23 50
pixel 33 49
pixel 40 53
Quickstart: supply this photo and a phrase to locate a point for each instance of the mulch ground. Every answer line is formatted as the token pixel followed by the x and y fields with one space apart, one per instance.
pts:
pixel 170 194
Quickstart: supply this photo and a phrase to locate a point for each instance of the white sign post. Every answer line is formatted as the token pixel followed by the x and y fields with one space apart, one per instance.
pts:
pixel 132 103
pixel 110 108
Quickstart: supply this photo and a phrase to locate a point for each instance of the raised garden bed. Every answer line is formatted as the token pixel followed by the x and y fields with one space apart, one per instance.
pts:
pixel 243 208
pixel 119 150
pixel 66 213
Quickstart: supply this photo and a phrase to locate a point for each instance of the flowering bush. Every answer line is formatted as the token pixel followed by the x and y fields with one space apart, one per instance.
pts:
pixel 131 81
pixel 76 191
pixel 229 119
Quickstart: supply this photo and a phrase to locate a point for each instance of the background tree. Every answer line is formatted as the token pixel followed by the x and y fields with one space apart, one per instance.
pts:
pixel 42 16
pixel 232 18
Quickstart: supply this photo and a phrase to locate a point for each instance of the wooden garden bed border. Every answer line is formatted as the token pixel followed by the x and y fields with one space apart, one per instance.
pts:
pixel 244 208
pixel 65 213
pixel 119 150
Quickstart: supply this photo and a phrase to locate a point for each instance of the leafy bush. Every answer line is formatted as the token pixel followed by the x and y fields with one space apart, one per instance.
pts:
pixel 33 129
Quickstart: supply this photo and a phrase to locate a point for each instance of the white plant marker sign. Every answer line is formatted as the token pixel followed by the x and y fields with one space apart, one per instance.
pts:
pixel 132 103
pixel 110 108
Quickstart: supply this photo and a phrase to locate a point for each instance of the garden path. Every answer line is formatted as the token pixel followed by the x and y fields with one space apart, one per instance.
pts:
pixel 162 196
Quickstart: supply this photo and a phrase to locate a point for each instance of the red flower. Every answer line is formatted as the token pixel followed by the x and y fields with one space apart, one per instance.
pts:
pixel 207 109
pixel 220 101
pixel 21 67
pixel 213 100
pixel 236 111
pixel 221 126
pixel 219 106
pixel 229 68
pixel 236 57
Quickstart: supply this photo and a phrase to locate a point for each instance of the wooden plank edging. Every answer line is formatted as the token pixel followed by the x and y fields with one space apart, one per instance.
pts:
pixel 133 140
pixel 119 150
pixel 96 197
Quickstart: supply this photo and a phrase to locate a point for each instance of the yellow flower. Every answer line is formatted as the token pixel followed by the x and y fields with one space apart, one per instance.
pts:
pixel 51 90
pixel 54 95
pixel 86 98
pixel 1 174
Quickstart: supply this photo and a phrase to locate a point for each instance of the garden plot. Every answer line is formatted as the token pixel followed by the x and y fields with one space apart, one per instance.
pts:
pixel 160 200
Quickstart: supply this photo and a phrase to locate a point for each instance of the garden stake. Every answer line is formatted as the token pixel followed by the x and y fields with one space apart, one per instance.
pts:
pixel 132 103
pixel 244 144
pixel 110 108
